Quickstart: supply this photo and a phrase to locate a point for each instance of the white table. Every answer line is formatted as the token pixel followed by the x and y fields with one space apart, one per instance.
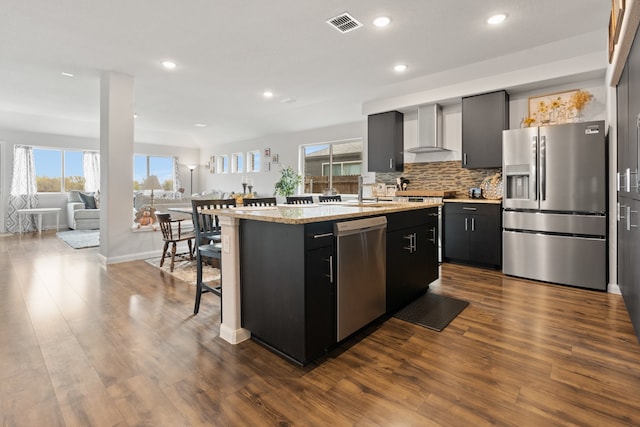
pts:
pixel 39 212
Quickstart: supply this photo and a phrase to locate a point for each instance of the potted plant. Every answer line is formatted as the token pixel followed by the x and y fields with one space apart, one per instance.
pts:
pixel 288 182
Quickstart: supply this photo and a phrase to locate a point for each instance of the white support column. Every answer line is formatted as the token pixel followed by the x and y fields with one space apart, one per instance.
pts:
pixel 116 161
pixel 231 328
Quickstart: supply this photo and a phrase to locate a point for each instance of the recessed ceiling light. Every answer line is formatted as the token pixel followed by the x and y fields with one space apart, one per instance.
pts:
pixel 381 21
pixel 497 19
pixel 400 68
pixel 268 94
pixel 169 65
pixel 200 125
pixel 67 74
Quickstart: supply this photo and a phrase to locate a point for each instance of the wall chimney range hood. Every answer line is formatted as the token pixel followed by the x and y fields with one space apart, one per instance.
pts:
pixel 429 130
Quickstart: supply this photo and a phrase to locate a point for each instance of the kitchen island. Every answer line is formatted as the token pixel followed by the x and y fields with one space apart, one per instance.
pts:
pixel 285 257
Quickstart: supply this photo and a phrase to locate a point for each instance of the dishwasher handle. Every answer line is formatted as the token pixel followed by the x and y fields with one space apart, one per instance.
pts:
pixel 357 226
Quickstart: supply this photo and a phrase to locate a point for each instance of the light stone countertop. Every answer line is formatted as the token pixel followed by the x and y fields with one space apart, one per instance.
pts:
pixel 489 201
pixel 304 214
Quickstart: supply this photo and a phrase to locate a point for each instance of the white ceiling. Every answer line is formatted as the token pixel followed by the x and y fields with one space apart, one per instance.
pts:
pixel 229 52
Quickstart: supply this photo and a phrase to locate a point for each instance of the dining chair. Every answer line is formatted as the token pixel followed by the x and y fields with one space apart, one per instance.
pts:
pixel 260 201
pixel 172 235
pixel 208 243
pixel 299 200
pixel 210 221
pixel 333 198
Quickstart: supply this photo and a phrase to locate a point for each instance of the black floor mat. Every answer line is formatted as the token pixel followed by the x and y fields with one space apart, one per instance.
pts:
pixel 432 311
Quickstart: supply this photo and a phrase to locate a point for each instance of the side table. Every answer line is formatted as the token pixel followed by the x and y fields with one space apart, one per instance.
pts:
pixel 39 212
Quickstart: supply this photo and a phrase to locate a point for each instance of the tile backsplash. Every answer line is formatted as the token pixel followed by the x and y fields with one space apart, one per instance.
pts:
pixel 447 175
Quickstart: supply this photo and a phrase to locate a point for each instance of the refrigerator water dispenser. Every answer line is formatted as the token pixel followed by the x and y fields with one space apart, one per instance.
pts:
pixel 517 182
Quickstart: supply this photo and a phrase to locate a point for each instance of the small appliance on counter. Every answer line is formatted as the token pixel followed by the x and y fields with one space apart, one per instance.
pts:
pixel 475 193
pixel 402 184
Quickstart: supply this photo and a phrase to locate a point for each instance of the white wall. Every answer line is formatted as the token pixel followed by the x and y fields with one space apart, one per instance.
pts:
pixel 286 146
pixel 518 109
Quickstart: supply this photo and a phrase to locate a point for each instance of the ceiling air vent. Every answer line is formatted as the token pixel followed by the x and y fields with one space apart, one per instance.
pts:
pixel 344 23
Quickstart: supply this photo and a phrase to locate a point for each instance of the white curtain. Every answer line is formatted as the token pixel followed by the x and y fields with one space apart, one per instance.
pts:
pixel 23 189
pixel 177 185
pixel 91 169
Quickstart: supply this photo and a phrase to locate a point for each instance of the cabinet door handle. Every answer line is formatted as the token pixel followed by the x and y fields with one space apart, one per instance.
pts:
pixel 473 224
pixel 433 235
pixel 319 236
pixel 410 238
pixel 618 177
pixel 469 209
pixel 629 225
pixel 390 163
pixel 465 158
pixel 330 275
pixel 466 224
pixel 635 181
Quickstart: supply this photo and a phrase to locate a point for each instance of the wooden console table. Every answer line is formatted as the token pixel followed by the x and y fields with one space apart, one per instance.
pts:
pixel 39 212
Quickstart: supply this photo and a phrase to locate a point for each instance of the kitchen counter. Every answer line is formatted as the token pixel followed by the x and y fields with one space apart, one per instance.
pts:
pixel 305 214
pixel 288 220
pixel 493 202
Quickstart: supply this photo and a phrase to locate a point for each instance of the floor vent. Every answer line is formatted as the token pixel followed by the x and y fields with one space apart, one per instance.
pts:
pixel 344 23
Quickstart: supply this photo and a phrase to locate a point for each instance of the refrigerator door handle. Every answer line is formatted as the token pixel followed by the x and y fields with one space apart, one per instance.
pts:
pixel 543 168
pixel 534 167
pixel 627 180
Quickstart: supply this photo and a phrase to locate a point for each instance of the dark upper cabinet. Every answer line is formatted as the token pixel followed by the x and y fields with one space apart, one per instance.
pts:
pixel 623 127
pixel 633 99
pixel 484 117
pixel 386 142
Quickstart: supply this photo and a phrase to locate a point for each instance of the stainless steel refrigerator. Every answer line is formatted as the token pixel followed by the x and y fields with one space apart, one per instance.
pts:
pixel 554 204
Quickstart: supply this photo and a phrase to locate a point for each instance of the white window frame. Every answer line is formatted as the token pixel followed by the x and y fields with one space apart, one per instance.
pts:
pixel 253 161
pixel 235 167
pixel 223 163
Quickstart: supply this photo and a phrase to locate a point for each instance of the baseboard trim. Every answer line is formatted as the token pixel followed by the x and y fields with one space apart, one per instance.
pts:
pixel 234 336
pixel 613 288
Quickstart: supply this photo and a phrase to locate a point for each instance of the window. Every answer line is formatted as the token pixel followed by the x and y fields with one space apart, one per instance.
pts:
pixel 334 165
pixel 253 161
pixel 237 161
pixel 145 166
pixel 58 171
pixel 223 164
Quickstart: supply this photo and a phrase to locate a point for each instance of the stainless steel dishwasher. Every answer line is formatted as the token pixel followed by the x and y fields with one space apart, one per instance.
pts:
pixel 361 273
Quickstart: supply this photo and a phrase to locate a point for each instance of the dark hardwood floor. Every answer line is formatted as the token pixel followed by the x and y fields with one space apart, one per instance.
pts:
pixel 86 345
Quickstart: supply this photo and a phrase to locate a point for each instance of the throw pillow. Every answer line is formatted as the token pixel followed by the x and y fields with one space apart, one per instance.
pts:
pixel 88 200
pixel 74 196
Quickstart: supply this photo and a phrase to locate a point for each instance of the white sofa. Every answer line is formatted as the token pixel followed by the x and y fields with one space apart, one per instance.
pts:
pixel 79 217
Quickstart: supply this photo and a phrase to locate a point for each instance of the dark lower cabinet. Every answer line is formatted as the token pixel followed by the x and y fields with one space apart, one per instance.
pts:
pixel 287 276
pixel 412 255
pixel 288 296
pixel 473 233
pixel 629 268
